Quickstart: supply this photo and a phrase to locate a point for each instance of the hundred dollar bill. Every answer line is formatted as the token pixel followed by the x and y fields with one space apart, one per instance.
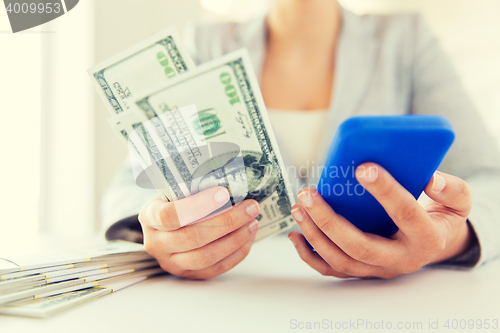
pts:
pixel 23 286
pixel 43 262
pixel 51 303
pixel 31 293
pixel 89 272
pixel 213 125
pixel 157 59
pixel 154 60
pixel 42 308
pixel 145 157
pixel 14 284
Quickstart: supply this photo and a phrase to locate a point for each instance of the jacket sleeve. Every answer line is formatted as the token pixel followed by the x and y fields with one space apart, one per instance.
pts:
pixel 121 204
pixel 474 156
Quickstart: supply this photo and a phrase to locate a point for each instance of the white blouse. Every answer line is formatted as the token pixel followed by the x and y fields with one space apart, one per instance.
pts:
pixel 299 133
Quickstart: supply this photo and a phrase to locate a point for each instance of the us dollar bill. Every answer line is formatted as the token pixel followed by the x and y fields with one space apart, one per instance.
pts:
pixel 154 60
pixel 145 157
pixel 212 126
pixel 159 58
pixel 50 261
pixel 42 308
pixel 58 300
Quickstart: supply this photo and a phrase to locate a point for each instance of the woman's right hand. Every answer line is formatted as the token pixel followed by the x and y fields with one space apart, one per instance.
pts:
pixel 201 250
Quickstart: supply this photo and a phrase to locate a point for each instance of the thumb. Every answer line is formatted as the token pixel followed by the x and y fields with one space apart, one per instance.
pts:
pixel 168 216
pixel 451 192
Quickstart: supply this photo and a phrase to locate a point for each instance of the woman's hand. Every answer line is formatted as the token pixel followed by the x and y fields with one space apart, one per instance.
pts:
pixel 431 230
pixel 202 250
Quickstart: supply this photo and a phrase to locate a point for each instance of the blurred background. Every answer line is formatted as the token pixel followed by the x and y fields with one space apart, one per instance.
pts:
pixel 58 151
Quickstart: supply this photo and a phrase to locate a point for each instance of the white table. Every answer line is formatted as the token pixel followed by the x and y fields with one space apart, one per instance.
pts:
pixel 274 291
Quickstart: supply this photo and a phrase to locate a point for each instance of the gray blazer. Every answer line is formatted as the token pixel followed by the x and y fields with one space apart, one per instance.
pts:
pixel 385 65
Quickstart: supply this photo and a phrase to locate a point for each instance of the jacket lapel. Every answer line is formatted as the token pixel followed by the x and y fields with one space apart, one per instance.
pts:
pixel 355 63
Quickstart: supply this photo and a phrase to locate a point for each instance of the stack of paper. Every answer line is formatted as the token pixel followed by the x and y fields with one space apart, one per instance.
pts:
pixel 41 285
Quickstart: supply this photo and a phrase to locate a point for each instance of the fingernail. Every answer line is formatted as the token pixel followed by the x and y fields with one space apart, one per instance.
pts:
pixel 253 226
pixel 221 196
pixel 253 209
pixel 439 183
pixel 297 214
pixel 293 241
pixel 369 174
pixel 306 199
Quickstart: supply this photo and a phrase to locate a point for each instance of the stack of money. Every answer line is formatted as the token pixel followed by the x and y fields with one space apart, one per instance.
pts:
pixel 187 129
pixel 191 128
pixel 44 284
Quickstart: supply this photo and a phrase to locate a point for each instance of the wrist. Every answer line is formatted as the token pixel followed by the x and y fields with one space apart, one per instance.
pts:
pixel 460 244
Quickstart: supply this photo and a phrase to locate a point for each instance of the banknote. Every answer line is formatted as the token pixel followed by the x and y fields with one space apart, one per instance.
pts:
pixel 66 272
pixel 42 308
pixel 72 283
pixel 104 272
pixel 59 260
pixel 110 280
pixel 40 260
pixel 57 301
pixel 17 277
pixel 211 127
pixel 29 281
pixel 154 60
pixel 89 272
pixel 149 168
pixel 27 273
pixel 9 284
pixel 33 292
pixel 22 286
pixel 199 127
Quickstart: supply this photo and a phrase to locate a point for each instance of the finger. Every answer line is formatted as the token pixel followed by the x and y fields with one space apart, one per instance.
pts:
pixel 214 252
pixel 401 206
pixel 312 258
pixel 451 192
pixel 367 248
pixel 331 253
pixel 224 265
pixel 149 241
pixel 197 235
pixel 173 215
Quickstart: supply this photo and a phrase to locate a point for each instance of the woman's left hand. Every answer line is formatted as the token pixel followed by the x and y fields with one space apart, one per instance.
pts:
pixel 431 230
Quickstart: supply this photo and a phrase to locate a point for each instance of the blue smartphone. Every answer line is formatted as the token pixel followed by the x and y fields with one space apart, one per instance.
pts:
pixel 409 147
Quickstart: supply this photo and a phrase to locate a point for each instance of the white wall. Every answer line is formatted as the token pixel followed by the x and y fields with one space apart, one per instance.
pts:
pixel 47 129
pixel 67 133
pixel 20 98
